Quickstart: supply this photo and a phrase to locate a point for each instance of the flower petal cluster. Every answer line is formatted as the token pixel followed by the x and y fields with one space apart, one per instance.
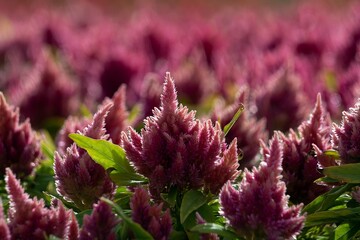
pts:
pixel 247 129
pixel 29 219
pixel 259 208
pixel 174 149
pixel 19 146
pixel 116 119
pixel 4 228
pixel 346 136
pixel 78 178
pixel 150 217
pixel 100 224
pixel 302 155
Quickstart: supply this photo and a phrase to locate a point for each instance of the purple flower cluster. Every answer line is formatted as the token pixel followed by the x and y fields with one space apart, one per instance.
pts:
pixel 150 217
pixel 302 155
pixel 19 145
pixel 174 149
pixel 346 136
pixel 258 209
pixel 78 178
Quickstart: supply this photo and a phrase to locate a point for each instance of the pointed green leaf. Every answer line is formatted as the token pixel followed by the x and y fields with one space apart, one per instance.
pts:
pixel 326 200
pixel 346 231
pixel 137 229
pixel 332 216
pixel 349 173
pixel 110 156
pixel 233 120
pixel 192 200
pixel 215 228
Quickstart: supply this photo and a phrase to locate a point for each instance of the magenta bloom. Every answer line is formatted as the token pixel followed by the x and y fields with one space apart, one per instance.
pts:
pixel 116 120
pixel 302 156
pixel 174 149
pixel 100 224
pixel 78 178
pixel 19 146
pixel 346 137
pixel 259 208
pixel 151 218
pixel 4 228
pixel 247 129
pixel 29 219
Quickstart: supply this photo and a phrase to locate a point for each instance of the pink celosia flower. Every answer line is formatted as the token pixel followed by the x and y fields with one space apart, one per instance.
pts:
pixel 174 149
pixel 247 129
pixel 78 178
pixel 346 137
pixel 150 217
pixel 19 146
pixel 29 219
pixel 302 155
pixel 49 87
pixel 281 102
pixel 116 120
pixel 100 224
pixel 259 208
pixel 71 125
pixel 4 228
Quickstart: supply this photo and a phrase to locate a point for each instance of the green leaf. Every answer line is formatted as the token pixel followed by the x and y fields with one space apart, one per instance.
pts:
pixel 170 197
pixel 192 200
pixel 332 216
pixel 139 232
pixel 326 200
pixel 349 173
pixel 346 231
pixel 233 120
pixel 112 157
pixel 214 228
pixel 177 235
pixel 47 145
pixel 332 153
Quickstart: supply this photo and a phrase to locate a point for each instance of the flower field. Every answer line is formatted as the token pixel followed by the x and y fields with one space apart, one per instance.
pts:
pixel 180 121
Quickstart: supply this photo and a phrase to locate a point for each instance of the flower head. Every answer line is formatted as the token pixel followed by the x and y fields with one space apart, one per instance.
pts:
pixel 4 228
pixel 78 178
pixel 346 137
pixel 100 224
pixel 19 146
pixel 174 149
pixel 150 217
pixel 29 219
pixel 268 216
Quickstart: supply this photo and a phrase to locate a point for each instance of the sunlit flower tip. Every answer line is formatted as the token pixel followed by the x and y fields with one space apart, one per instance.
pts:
pixel 205 236
pixel 72 230
pixel 71 125
pixel 4 228
pixel 150 217
pixel 169 102
pixel 269 215
pixel 29 217
pixel 19 145
pixel 100 224
pixel 97 129
pixel 317 130
pixel 116 120
pixel 346 137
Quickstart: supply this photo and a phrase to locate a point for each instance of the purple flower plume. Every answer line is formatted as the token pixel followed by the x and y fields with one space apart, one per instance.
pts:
pixel 259 208
pixel 116 120
pixel 29 219
pixel 100 224
pixel 175 149
pixel 303 155
pixel 151 218
pixel 19 146
pixel 346 137
pixel 78 178
pixel 4 228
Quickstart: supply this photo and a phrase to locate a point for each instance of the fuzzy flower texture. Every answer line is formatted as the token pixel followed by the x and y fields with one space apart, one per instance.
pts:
pixel 259 208
pixel 175 149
